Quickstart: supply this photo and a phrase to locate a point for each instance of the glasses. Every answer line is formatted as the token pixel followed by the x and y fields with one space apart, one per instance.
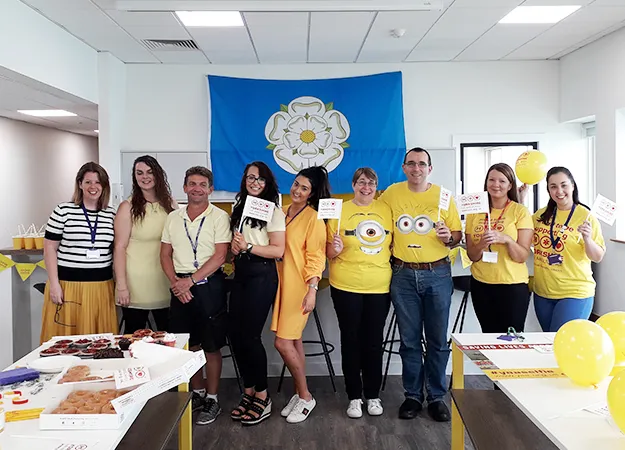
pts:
pixel 362 183
pixel 421 164
pixel 57 314
pixel 251 179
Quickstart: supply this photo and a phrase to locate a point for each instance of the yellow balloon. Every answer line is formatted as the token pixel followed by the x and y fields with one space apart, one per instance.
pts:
pixel 616 399
pixel 584 352
pixel 614 324
pixel 531 167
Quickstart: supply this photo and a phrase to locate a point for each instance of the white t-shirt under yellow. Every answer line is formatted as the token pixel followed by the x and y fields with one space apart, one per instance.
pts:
pixel 260 236
pixel 573 278
pixel 364 264
pixel 414 216
pixel 505 271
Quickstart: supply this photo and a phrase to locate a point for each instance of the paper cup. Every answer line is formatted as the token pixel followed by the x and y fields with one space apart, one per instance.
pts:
pixel 39 243
pixel 29 243
pixel 18 243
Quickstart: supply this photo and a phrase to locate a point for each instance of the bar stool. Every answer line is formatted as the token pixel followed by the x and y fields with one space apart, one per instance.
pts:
pixel 326 347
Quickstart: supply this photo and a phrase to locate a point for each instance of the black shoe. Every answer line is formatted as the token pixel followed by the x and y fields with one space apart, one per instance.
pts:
pixel 197 402
pixel 209 413
pixel 439 411
pixel 409 409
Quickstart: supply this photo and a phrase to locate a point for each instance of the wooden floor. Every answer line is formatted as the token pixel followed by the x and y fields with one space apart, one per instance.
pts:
pixel 328 427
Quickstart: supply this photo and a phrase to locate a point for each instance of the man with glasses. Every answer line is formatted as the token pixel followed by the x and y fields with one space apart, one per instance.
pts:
pixel 193 248
pixel 421 285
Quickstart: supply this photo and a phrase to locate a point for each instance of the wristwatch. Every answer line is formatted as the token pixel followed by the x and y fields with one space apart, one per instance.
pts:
pixel 249 248
pixel 314 286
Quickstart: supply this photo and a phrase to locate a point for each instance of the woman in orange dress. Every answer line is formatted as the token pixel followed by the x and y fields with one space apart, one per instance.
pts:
pixel 299 273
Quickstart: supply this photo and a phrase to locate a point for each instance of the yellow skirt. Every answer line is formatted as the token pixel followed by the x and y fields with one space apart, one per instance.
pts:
pixel 88 308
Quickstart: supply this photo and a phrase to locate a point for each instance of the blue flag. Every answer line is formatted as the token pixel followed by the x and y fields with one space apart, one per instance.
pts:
pixel 341 124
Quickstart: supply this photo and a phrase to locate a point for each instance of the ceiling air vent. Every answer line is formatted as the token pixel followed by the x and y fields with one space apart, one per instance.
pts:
pixel 170 44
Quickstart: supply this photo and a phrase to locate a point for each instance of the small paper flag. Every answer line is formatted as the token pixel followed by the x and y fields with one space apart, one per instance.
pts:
pixel 42 264
pixel 25 270
pixel 466 262
pixel 5 263
pixel 453 254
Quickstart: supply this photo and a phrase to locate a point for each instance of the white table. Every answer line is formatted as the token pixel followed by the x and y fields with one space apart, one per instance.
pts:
pixel 14 435
pixel 554 405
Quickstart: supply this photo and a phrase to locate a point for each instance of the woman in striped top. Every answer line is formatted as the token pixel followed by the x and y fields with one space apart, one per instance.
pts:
pixel 78 252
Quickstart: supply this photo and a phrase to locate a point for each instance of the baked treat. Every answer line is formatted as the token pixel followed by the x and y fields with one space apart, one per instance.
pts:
pixel 159 334
pixel 100 346
pixel 102 341
pixel 124 343
pixel 60 346
pixel 88 352
pixel 49 352
pixel 142 333
pixel 90 409
pixel 169 339
pixel 83 395
pixel 84 370
pixel 108 409
pixel 70 351
pixel 83 343
pixel 65 410
pixel 108 353
pixel 63 341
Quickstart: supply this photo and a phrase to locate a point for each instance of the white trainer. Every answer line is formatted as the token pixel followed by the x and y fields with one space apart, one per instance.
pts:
pixel 374 407
pixel 354 410
pixel 289 406
pixel 301 411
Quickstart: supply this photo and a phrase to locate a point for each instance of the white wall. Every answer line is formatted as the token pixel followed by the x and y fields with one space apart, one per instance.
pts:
pixel 593 83
pixel 39 165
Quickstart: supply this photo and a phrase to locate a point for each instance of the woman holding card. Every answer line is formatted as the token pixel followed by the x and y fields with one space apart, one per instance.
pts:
pixel 256 244
pixel 564 288
pixel 300 272
pixel 360 279
pixel 498 243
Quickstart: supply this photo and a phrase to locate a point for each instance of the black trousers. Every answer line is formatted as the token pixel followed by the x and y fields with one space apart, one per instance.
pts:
pixel 499 306
pixel 361 320
pixel 137 319
pixel 253 292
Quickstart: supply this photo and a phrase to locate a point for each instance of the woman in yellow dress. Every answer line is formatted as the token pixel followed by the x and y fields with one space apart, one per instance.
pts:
pixel 299 274
pixel 141 285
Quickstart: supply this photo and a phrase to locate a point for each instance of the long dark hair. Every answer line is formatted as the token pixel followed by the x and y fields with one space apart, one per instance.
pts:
pixel 320 186
pixel 548 214
pixel 162 191
pixel 507 171
pixel 269 193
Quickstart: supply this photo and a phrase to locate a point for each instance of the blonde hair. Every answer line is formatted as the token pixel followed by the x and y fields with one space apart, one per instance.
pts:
pixel 103 201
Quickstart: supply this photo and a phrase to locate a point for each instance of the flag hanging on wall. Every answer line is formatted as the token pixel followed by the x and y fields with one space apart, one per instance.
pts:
pixel 341 124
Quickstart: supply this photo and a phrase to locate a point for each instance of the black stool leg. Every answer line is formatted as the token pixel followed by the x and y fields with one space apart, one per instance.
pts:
pixel 121 324
pixel 391 328
pixel 281 377
pixel 324 345
pixel 236 367
pixel 151 324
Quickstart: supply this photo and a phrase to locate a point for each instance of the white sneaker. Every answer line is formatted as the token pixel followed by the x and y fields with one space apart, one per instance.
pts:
pixel 374 407
pixel 289 406
pixel 354 410
pixel 301 411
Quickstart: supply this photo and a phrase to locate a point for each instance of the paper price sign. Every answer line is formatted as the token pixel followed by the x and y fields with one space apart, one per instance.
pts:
pixel 444 199
pixel 604 209
pixel 257 208
pixel 131 376
pixel 330 208
pixel 473 203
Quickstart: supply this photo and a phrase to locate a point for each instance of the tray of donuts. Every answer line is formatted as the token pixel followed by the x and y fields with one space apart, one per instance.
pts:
pixel 83 347
pixel 87 373
pixel 83 407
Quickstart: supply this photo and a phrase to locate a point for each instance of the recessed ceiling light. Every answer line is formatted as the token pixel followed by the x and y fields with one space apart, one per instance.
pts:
pixel 46 112
pixel 210 18
pixel 539 14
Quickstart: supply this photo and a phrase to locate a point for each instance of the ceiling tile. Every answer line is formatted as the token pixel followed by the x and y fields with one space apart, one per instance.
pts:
pixel 177 32
pixel 337 36
pixel 181 57
pixel 144 19
pixel 556 2
pixel 485 3
pixel 289 29
pixel 429 54
pixel 225 45
pixel 381 46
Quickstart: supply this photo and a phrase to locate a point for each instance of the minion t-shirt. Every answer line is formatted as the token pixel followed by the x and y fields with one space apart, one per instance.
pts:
pixel 364 264
pixel 414 216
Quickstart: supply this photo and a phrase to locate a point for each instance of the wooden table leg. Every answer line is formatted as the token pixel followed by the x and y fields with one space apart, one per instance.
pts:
pixel 185 432
pixel 457 382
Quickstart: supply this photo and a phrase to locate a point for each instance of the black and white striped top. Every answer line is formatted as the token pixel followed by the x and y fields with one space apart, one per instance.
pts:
pixel 68 225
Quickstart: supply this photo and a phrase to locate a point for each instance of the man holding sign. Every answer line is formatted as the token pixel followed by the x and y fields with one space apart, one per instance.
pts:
pixel 421 284
pixel 564 287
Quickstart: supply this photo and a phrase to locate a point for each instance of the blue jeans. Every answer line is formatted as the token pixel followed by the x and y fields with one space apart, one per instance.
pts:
pixel 422 298
pixel 552 314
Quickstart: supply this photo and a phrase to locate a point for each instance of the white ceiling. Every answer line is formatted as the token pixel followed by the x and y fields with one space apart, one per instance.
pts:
pixel 465 30
pixel 20 92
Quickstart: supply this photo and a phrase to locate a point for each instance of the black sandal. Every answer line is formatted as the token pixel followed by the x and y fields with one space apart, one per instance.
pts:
pixel 259 406
pixel 245 402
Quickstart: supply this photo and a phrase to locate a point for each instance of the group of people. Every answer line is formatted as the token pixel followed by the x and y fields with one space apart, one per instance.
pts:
pixel 154 256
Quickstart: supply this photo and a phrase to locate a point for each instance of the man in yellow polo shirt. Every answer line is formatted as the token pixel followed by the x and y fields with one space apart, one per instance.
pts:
pixel 421 285
pixel 193 248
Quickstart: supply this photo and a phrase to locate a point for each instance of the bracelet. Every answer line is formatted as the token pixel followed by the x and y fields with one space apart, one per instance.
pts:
pixel 192 280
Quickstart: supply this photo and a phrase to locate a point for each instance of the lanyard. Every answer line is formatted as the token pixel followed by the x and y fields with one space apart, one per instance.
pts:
pixel 556 241
pixel 298 213
pixel 93 229
pixel 194 245
pixel 500 215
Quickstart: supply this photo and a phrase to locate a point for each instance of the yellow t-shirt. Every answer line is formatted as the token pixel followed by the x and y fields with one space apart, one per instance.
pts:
pixel 215 230
pixel 364 264
pixel 572 278
pixel 414 215
pixel 505 271
pixel 260 236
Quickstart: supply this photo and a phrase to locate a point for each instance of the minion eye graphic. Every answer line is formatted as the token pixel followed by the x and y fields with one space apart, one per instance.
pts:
pixel 371 234
pixel 405 224
pixel 423 224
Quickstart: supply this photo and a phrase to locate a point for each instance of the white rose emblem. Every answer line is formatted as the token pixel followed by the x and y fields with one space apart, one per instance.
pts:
pixel 307 133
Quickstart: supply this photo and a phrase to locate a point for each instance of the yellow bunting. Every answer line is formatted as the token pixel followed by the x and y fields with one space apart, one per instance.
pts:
pixel 512 374
pixel 25 270
pixel 5 262
pixel 453 254
pixel 466 262
pixel 228 269
pixel 23 414
pixel 42 264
